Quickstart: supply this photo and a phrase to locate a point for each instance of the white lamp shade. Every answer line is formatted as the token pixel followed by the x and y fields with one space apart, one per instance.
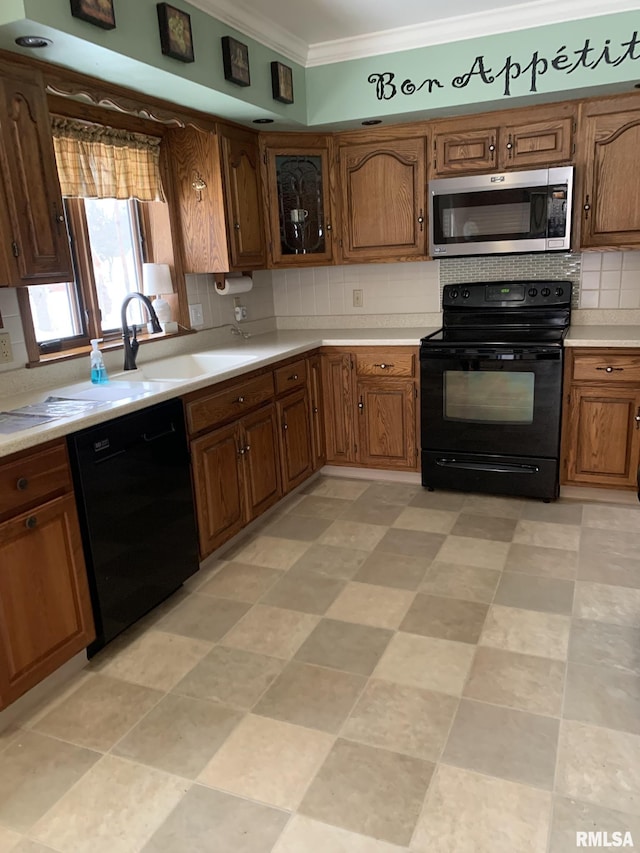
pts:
pixel 156 279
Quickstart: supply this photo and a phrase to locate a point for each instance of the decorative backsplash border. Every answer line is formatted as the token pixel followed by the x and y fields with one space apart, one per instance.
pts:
pixel 554 267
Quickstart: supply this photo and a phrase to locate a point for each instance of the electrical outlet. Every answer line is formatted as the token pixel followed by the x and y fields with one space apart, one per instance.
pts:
pixel 358 299
pixel 6 353
pixel 240 313
pixel 196 315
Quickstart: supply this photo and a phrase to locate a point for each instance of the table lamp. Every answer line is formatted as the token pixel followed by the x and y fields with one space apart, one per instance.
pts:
pixel 156 280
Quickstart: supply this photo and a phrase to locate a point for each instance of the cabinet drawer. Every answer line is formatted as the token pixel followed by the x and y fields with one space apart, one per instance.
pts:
pixel 606 367
pixel 291 376
pixel 233 402
pixel 33 478
pixel 386 363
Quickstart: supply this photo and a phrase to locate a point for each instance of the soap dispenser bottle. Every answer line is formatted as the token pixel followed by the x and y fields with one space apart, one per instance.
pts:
pixel 98 370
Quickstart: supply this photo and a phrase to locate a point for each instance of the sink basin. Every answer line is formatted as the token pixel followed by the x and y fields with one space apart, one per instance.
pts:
pixel 189 366
pixel 110 392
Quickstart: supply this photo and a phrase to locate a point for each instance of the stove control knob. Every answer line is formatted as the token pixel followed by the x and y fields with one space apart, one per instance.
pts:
pixel 559 291
pixel 466 294
pixel 545 291
pixel 532 291
pixel 453 294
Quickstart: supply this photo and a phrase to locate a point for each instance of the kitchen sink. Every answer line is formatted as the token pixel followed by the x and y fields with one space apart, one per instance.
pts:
pixel 110 392
pixel 189 366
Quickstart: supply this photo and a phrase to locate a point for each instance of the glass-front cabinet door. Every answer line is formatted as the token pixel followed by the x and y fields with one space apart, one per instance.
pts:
pixel 300 213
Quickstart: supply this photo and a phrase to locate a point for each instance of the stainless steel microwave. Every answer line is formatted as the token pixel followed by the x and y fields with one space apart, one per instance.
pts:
pixel 501 213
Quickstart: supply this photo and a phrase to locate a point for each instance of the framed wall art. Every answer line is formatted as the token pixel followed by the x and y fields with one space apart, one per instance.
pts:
pixel 98 12
pixel 175 32
pixel 282 82
pixel 235 57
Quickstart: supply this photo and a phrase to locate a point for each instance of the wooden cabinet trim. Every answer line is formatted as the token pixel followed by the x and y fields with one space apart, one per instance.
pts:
pixel 33 477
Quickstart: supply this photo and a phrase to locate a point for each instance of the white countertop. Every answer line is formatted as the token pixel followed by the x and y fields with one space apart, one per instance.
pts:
pixel 603 336
pixel 265 349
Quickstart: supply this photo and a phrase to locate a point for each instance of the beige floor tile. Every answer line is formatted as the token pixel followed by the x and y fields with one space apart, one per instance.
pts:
pixel 530 592
pixel 571 816
pixel 469 813
pixel 558 512
pixel 428 662
pixel 371 509
pixel 603 696
pixel 230 676
pixel 268 760
pixel 331 560
pixel 427 520
pixel 310 592
pixel 446 618
pixel 545 562
pixel 525 682
pixel 501 742
pixel 370 791
pixel 394 493
pixel 468 551
pixel 613 543
pixel 353 534
pixel 8 840
pixel 271 552
pixel 27 846
pixel 484 527
pixel 598 765
pixel 156 659
pixel 208 569
pixel 449 501
pixel 455 581
pixel 336 487
pixel 318 507
pixel 207 821
pixel 240 581
pixel 369 604
pixel 311 696
pixel 617 605
pixel 611 517
pixel 394 570
pixel 345 646
pixel 303 527
pixel 99 712
pixel 495 507
pixel 546 534
pixel 605 567
pixel 203 617
pixel 35 771
pixel 179 735
pixel 401 718
pixel 411 543
pixel 601 644
pixel 271 631
pixel 116 808
pixel 527 632
pixel 304 835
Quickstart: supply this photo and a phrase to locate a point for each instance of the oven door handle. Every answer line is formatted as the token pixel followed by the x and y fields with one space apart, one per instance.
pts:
pixel 493 467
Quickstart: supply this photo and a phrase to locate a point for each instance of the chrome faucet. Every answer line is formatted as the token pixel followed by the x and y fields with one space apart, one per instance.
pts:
pixel 131 345
pixel 236 330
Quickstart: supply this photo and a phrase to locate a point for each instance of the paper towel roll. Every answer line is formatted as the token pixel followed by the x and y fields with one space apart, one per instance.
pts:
pixel 234 284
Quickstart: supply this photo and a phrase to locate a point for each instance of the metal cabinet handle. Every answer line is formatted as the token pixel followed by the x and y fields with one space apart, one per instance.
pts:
pixel 586 208
pixel 247 448
pixel 421 219
pixel 285 427
pixel 293 378
pixel 329 228
pixel 510 147
pixel 239 400
pixel 384 366
pixel 492 147
pixel 609 369
pixel 637 419
pixel 361 405
pixel 22 484
pixel 31 522
pixel 315 410
pixel 236 225
pixel 242 451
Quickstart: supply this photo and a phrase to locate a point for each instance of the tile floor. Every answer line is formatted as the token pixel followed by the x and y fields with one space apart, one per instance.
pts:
pixel 375 669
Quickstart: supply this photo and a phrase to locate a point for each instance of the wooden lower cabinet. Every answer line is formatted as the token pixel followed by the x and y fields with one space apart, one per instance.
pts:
pixel 337 389
pixel 601 435
pixel 236 476
pixel 387 423
pixel 295 439
pixel 45 611
pixel 316 407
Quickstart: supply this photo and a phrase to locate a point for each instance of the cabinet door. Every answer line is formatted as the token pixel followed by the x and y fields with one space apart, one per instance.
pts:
pixel 465 152
pixel 243 196
pixel 611 198
pixel 45 611
pixel 540 143
pixel 316 406
pixel 218 492
pixel 603 446
pixel 338 408
pixel 36 242
pixel 295 439
pixel 387 423
pixel 300 211
pixel 383 200
pixel 260 461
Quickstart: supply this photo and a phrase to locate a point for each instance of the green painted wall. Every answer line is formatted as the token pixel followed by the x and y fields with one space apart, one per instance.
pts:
pixel 341 92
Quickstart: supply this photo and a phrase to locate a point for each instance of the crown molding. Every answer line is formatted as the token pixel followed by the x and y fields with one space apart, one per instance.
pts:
pixel 257 26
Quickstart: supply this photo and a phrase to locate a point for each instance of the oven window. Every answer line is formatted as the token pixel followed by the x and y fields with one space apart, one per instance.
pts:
pixel 489 396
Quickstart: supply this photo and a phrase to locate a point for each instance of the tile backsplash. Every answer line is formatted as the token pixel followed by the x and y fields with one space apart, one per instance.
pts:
pixel 12 324
pixel 610 280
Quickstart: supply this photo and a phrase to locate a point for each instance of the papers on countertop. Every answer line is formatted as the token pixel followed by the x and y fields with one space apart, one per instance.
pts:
pixel 48 410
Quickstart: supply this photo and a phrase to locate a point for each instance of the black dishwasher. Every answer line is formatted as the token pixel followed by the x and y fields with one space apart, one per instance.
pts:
pixel 133 490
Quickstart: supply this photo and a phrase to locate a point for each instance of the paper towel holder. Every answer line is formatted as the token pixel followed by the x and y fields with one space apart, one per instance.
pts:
pixel 220 278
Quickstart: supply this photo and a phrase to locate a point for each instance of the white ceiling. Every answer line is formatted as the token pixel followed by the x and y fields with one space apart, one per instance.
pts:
pixel 313 32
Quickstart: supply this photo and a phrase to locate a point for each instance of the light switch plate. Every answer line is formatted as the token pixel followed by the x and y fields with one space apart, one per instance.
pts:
pixel 358 300
pixel 6 353
pixel 195 314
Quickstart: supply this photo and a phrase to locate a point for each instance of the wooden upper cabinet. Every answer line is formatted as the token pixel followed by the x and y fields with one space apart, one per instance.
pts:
pixel 383 186
pixel 192 158
pixel 243 197
pixel 35 242
pixel 297 182
pixel 609 204
pixel 510 140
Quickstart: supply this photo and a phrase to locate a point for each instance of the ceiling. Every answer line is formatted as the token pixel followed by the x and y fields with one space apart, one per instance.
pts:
pixel 313 32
